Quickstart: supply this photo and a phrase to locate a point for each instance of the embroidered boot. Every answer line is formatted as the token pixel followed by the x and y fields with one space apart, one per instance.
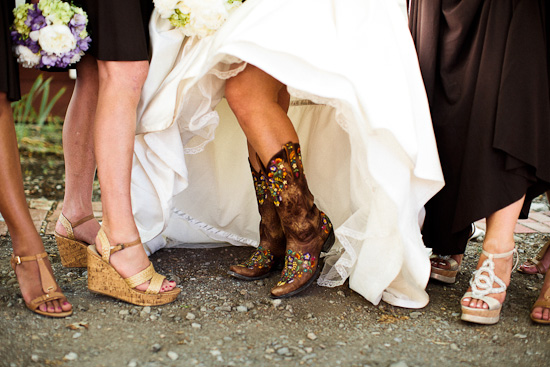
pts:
pixel 308 230
pixel 269 255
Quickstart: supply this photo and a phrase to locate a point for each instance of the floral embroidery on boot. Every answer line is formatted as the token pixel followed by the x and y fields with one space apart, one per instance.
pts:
pixel 296 264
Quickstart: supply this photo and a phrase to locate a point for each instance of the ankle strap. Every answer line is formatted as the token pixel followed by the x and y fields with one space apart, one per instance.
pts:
pixel 17 260
pixel 512 252
pixel 107 250
pixel 70 226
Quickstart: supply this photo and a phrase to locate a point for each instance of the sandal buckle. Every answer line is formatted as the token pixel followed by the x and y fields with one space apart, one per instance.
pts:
pixel 17 260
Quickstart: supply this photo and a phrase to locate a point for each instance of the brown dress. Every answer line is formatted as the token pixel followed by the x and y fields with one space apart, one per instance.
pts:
pixel 486 68
pixel 9 69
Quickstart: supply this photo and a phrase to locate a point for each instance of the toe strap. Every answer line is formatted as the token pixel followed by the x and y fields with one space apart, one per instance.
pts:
pixel 35 303
pixel 491 302
pixel 544 303
pixel 147 275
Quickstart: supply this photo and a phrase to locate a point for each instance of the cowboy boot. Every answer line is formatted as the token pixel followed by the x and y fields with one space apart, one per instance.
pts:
pixel 308 230
pixel 269 255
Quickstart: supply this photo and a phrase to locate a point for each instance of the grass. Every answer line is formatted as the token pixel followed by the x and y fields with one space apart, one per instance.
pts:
pixel 37 130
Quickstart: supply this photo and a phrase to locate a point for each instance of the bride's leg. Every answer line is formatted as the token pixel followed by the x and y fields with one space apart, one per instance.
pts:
pixel 259 102
pixel 13 206
pixel 120 84
pixel 78 149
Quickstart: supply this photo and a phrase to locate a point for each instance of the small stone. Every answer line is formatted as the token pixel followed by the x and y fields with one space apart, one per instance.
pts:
pixel 520 336
pixel 156 348
pixel 308 349
pixel 147 309
pixel 172 355
pixel 123 312
pixel 35 358
pixel 455 314
pixel 415 314
pixel 311 336
pixel 276 302
pixel 77 335
pixel 215 352
pixel 72 356
pixel 190 316
pixel 341 294
pixel 196 326
pixel 242 309
pixel 283 351
pixel 269 350
pixel 399 364
pixel 153 317
pixel 455 347
pixel 132 363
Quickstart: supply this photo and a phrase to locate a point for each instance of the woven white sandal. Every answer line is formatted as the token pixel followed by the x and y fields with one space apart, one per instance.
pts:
pixel 482 284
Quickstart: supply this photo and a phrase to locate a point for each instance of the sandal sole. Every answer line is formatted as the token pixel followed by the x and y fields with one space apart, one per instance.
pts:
pixel 72 252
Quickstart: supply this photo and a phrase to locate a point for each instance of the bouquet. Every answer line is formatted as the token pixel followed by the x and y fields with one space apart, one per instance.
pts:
pixel 51 33
pixel 199 18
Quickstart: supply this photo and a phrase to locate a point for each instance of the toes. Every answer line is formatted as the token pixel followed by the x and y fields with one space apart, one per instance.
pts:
pixel 43 307
pixel 57 306
pixel 466 301
pixel 50 307
pixel 66 306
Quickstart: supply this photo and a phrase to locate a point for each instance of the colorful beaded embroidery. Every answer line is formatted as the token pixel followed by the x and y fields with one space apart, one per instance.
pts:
pixel 277 178
pixel 326 225
pixel 296 265
pixel 261 258
pixel 260 185
pixel 295 159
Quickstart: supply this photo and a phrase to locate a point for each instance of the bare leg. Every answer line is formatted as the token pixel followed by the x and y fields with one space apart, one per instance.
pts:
pixel 78 148
pixel 260 103
pixel 120 84
pixel 13 206
pixel 499 239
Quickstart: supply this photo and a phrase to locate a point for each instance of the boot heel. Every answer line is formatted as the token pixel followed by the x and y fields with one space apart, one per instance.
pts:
pixel 72 252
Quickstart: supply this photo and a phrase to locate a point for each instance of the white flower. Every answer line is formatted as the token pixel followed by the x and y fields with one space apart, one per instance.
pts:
pixel 57 39
pixel 166 7
pixel 26 57
pixel 34 35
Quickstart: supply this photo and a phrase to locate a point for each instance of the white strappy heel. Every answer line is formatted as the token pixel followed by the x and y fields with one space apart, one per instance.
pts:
pixel 482 284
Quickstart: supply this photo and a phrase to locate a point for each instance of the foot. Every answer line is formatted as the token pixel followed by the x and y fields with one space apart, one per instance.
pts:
pixel 131 261
pixel 539 264
pixel 542 312
pixel 441 262
pixel 85 232
pixel 30 284
pixel 503 270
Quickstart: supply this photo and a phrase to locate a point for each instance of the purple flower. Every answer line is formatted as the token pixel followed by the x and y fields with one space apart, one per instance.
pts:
pixel 49 60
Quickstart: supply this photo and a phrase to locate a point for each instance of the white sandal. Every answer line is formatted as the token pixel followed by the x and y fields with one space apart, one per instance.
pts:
pixel 482 284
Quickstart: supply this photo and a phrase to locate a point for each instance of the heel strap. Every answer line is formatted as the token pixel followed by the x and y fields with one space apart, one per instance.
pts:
pixel 107 250
pixel 70 226
pixel 46 278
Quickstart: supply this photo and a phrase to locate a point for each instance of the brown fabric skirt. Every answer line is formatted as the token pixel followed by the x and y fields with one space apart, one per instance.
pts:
pixel 119 29
pixel 486 67
pixel 9 69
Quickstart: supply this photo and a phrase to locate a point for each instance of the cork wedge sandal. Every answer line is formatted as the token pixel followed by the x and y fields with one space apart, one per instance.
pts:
pixel 72 251
pixel 48 285
pixel 104 279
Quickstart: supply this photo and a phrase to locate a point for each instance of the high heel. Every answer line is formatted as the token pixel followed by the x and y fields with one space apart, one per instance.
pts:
pixel 308 230
pixel 47 282
pixel 104 279
pixel 482 284
pixel 72 251
pixel 269 255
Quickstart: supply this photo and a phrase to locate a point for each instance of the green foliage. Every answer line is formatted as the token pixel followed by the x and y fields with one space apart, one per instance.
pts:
pixel 37 131
pixel 24 111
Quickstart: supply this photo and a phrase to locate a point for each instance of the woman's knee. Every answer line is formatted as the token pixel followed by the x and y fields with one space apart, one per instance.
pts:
pixel 124 74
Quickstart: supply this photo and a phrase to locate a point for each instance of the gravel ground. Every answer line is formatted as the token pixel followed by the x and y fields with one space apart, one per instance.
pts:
pixel 220 321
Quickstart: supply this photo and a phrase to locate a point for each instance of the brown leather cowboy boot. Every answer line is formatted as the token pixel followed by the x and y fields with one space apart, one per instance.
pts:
pixel 269 255
pixel 308 230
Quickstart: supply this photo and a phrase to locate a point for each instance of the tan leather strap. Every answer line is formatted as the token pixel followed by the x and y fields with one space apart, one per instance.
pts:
pixel 122 246
pixel 16 260
pixel 107 250
pixel 70 226
pixel 141 277
pixel 46 278
pixel 35 303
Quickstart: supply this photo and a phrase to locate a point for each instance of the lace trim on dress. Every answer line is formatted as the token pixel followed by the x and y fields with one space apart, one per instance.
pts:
pixel 215 233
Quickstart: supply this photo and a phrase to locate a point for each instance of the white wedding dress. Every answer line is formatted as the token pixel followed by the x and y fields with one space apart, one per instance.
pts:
pixel 361 113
